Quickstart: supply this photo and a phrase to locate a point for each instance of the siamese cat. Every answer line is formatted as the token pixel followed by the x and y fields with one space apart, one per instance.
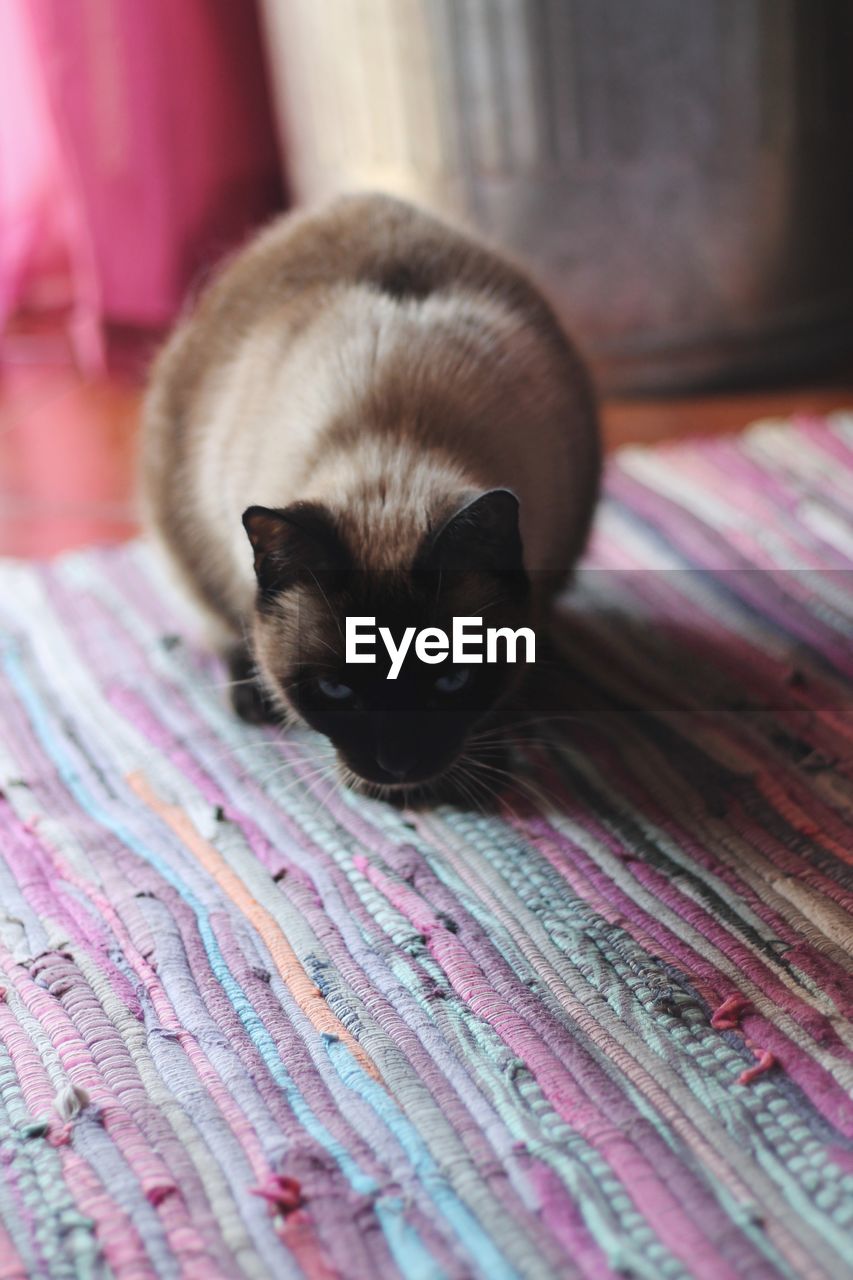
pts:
pixel 370 414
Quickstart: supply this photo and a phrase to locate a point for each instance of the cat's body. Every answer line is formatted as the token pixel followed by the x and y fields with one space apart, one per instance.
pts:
pixel 371 362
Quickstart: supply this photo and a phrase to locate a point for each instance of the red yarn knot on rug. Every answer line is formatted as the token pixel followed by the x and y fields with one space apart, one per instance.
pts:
pixel 766 1060
pixel 727 1017
pixel 284 1193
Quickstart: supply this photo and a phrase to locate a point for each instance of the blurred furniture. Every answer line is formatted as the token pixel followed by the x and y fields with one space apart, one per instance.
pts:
pixel 681 175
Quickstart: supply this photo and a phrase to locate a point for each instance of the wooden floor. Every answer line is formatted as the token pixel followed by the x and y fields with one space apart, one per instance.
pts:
pixel 67 443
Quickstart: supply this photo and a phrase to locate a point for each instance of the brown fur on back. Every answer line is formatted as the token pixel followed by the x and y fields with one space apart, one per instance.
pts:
pixel 372 358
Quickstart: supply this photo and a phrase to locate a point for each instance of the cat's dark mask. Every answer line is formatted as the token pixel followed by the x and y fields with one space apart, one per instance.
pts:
pixel 391 733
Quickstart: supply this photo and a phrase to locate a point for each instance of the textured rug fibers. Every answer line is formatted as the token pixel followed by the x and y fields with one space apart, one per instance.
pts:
pixel 255 1026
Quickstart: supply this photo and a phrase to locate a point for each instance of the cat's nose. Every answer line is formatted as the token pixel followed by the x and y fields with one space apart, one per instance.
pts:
pixel 396 766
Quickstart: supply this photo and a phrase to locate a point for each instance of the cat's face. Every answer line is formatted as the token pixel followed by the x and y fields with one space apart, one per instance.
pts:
pixel 403 733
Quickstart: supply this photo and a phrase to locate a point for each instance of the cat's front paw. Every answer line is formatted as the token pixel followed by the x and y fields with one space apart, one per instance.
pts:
pixel 252 704
pixel 248 697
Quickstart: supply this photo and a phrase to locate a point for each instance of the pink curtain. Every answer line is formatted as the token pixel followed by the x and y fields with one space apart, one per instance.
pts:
pixel 137 146
pixel 33 205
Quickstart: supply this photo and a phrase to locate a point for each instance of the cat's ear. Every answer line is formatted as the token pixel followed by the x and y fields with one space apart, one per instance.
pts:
pixel 293 544
pixel 481 535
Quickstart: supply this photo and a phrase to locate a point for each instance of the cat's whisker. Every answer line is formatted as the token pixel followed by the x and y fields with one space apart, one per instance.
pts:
pixel 334 615
pixel 497 745
pixel 288 764
pixel 526 785
pixel 296 760
pixel 549 731
pixel 460 780
pixel 226 684
pixel 309 785
pixel 348 778
pixel 324 644
pixel 544 719
pixel 253 750
pixel 485 785
pixel 307 781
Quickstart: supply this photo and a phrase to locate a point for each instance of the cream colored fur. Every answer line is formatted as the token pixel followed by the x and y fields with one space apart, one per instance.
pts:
pixel 387 409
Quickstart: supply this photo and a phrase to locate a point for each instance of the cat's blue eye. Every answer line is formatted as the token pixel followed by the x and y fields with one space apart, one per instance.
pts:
pixel 334 689
pixel 453 680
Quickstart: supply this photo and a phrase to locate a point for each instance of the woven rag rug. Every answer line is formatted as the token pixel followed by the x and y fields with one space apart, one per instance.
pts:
pixel 252 1025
